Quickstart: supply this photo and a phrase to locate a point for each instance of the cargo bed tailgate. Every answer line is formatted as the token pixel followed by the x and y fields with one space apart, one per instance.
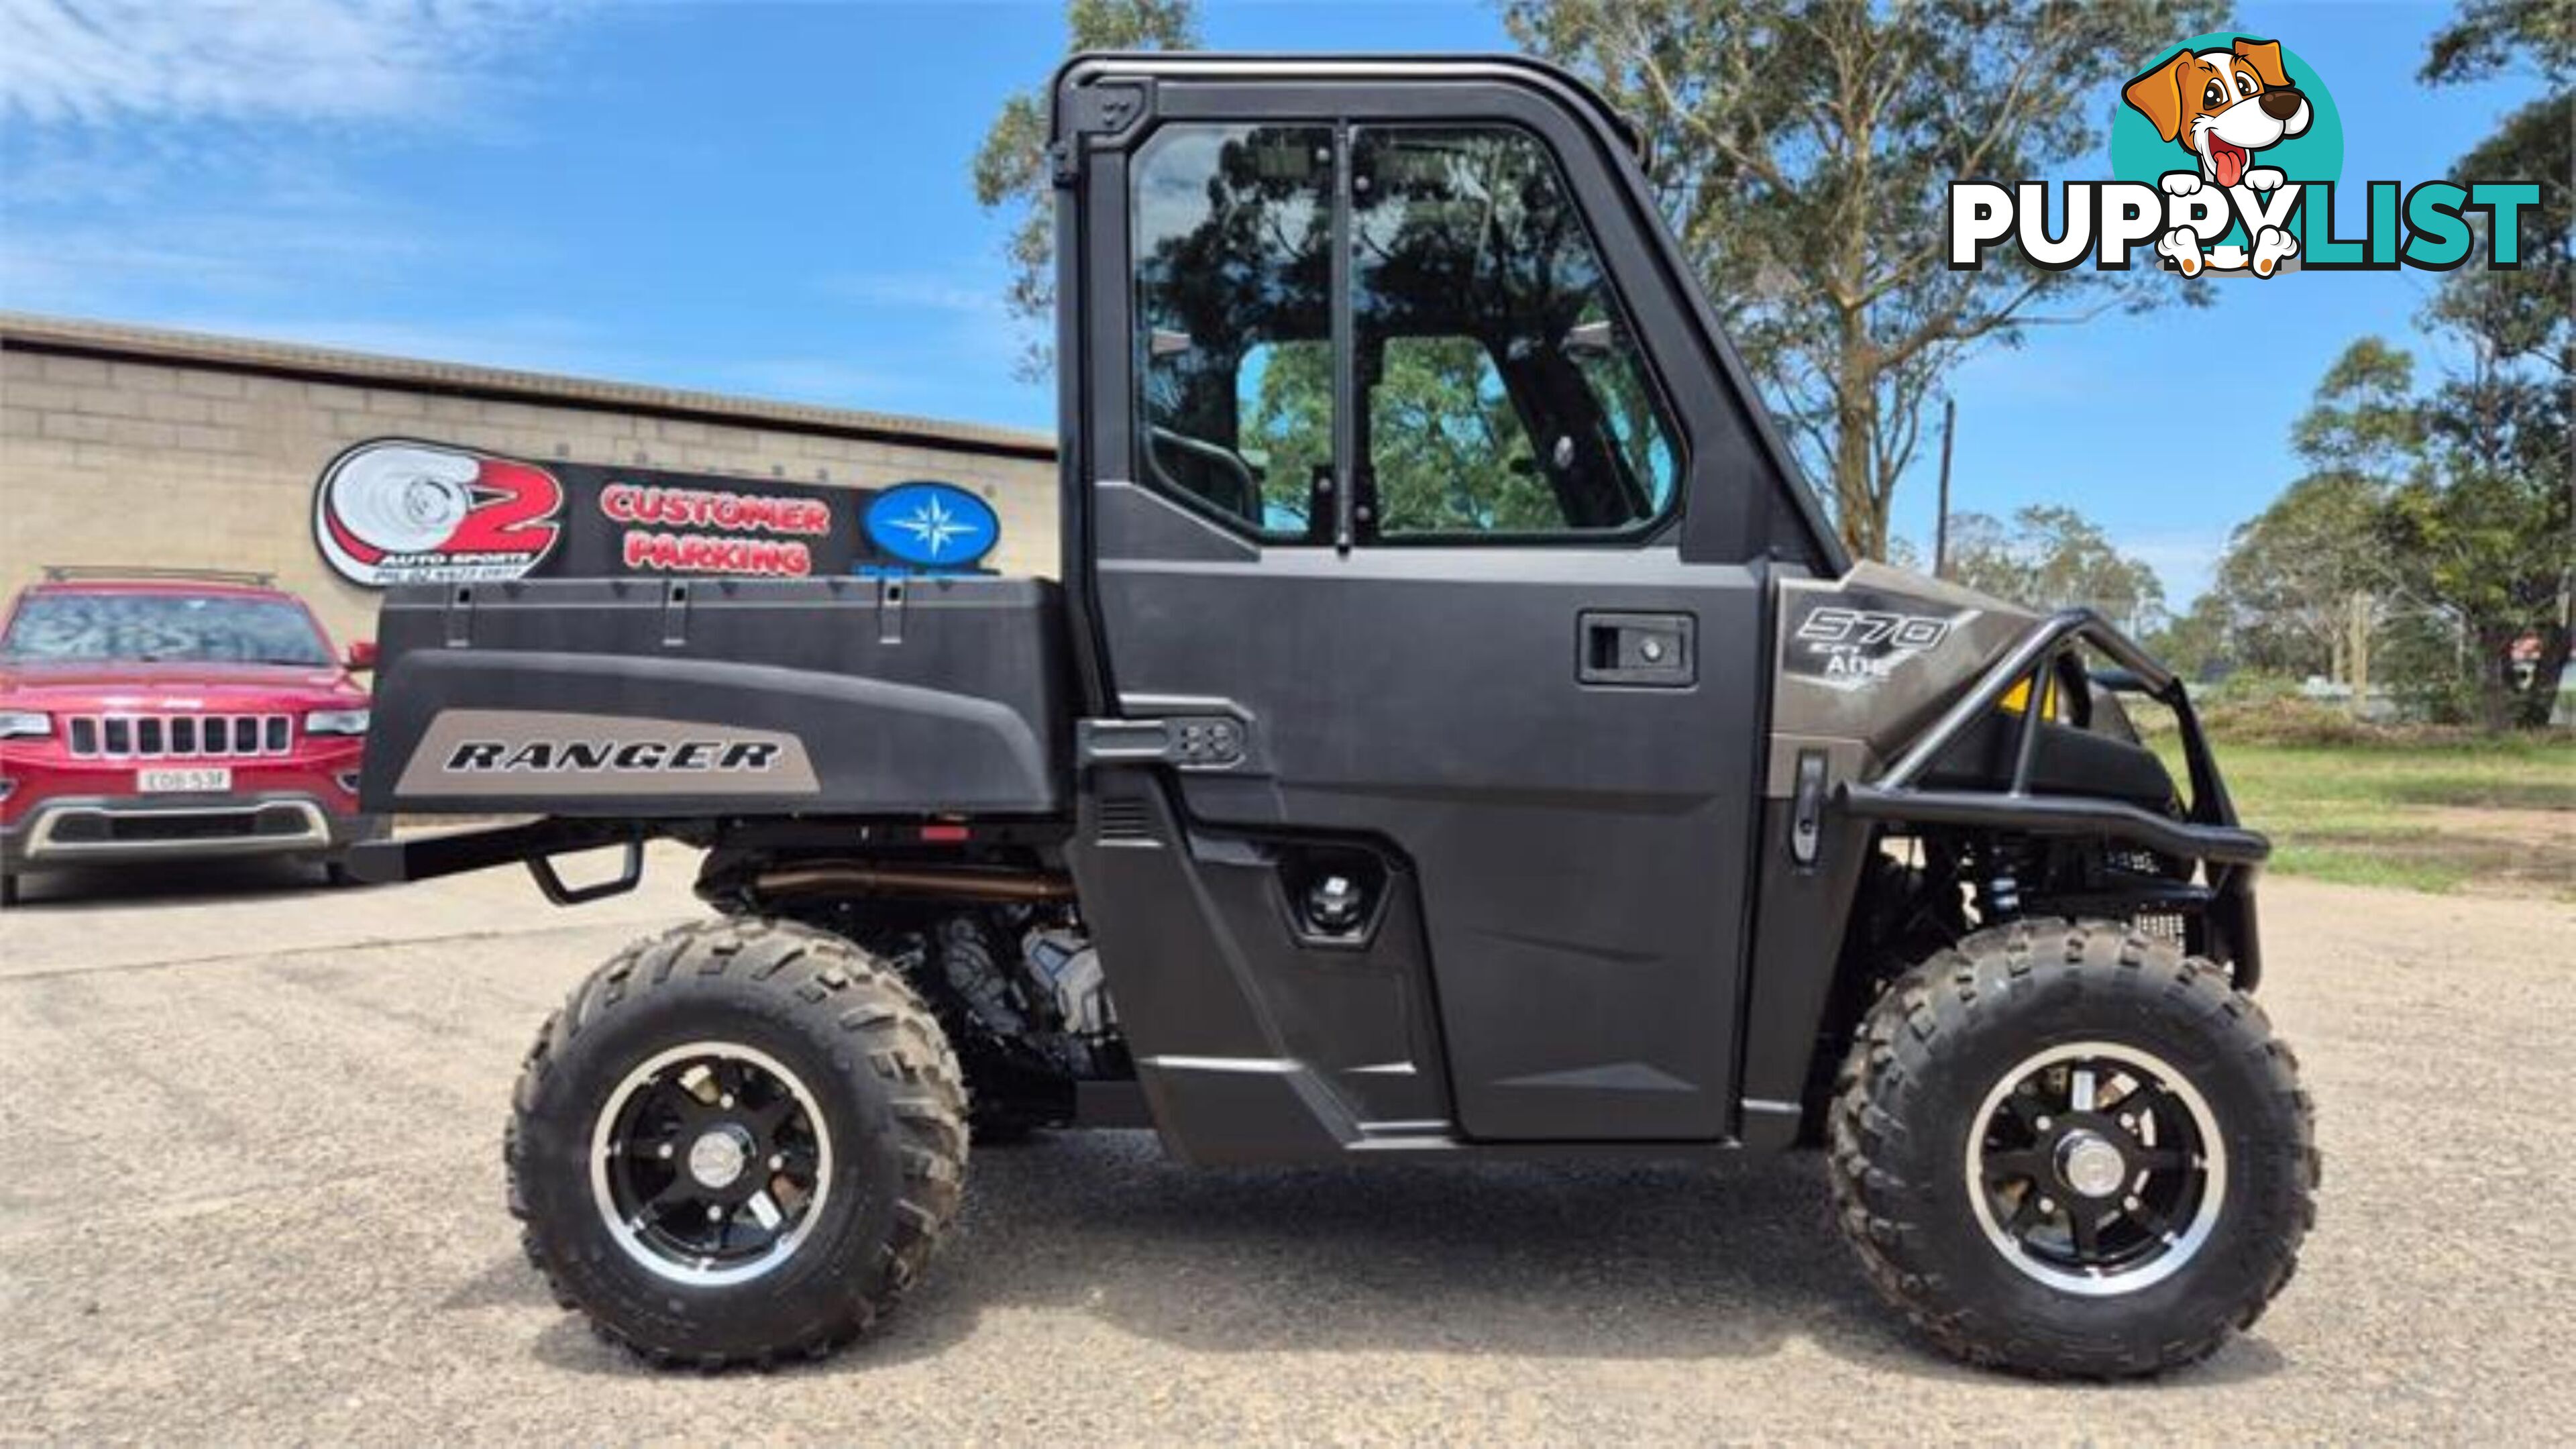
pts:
pixel 653 697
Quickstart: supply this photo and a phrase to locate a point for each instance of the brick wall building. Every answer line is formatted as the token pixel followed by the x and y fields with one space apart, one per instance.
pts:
pixel 127 445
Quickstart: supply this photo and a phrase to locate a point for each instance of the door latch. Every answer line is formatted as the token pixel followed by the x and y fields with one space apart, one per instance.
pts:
pixel 1807 809
pixel 1655 651
pixel 1205 742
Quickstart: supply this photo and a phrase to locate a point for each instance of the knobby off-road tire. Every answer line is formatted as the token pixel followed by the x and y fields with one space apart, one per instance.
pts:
pixel 815 1034
pixel 1926 1108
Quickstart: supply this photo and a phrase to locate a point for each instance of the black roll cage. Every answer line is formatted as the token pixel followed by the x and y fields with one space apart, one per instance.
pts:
pixel 2208 833
pixel 2229 854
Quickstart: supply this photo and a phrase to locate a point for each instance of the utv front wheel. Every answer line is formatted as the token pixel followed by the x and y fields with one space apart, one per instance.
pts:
pixel 2066 1148
pixel 736 1143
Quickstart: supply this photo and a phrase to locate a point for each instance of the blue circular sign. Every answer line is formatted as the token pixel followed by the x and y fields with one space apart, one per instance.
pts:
pixel 933 525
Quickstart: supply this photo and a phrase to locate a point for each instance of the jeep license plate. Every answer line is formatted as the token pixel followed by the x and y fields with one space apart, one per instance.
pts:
pixel 200 780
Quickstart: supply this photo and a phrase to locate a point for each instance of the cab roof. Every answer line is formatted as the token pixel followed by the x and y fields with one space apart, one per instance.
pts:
pixel 1183 64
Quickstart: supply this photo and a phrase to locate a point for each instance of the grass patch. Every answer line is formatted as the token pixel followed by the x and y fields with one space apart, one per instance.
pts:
pixel 2376 866
pixel 2432 816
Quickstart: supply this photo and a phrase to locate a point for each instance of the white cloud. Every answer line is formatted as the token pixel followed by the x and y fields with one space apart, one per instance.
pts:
pixel 825 380
pixel 968 296
pixel 2186 560
pixel 959 315
pixel 101 61
pixel 102 265
pixel 237 227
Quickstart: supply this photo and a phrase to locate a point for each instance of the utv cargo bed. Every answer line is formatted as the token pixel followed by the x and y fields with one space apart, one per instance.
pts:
pixel 651 697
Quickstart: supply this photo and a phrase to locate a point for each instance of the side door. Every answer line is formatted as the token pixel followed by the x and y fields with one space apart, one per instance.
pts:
pixel 1385 470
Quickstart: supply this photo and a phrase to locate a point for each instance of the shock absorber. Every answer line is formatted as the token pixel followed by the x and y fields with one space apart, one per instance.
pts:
pixel 2003 895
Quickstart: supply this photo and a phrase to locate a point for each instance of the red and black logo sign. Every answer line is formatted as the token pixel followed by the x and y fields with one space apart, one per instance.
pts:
pixel 394 511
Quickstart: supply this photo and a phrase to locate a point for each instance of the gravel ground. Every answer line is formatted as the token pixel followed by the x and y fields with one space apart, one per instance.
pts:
pixel 256 1197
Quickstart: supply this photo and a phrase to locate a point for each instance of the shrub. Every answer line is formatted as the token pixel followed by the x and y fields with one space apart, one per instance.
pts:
pixel 2287 720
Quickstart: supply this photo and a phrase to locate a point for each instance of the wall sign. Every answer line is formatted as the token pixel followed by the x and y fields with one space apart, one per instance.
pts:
pixel 933 525
pixel 399 511
pixel 395 511
pixel 666 523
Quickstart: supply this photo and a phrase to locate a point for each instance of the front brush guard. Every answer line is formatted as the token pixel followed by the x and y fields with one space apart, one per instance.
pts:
pixel 2208 832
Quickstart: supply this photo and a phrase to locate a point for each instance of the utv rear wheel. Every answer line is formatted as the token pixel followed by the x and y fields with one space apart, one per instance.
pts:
pixel 2066 1148
pixel 736 1143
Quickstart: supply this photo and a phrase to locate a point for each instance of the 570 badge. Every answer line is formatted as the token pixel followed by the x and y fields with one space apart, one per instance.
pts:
pixel 1853 648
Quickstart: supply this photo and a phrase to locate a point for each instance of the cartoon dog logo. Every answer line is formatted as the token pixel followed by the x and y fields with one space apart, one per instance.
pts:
pixel 2223 106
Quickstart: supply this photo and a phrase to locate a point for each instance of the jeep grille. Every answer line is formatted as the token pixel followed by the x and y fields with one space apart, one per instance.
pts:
pixel 179 736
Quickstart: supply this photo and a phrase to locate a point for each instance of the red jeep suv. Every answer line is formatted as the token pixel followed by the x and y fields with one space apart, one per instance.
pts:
pixel 147 714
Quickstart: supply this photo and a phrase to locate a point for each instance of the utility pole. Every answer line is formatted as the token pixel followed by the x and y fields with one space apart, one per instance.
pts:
pixel 1941 526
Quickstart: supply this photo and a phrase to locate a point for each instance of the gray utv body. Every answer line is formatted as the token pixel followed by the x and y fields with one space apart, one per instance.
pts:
pixel 1600 812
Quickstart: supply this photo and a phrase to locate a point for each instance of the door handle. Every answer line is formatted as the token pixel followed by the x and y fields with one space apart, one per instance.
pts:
pixel 1652 651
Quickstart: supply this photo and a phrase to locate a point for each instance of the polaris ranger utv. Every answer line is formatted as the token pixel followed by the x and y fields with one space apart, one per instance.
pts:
pixel 1456 735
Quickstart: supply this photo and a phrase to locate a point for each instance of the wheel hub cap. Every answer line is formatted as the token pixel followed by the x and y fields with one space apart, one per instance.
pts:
pixel 2096 1167
pixel 717 1158
pixel 710 1163
pixel 2091 1164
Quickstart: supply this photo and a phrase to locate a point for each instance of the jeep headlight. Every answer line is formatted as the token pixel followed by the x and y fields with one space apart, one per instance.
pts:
pixel 336 722
pixel 25 724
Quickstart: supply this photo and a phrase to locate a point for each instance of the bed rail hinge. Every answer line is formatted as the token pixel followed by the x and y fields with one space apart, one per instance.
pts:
pixel 890 594
pixel 675 614
pixel 459 616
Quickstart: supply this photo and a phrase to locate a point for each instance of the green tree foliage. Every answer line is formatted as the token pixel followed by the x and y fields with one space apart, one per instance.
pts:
pixel 1500 394
pixel 1289 423
pixel 2453 506
pixel 2487 530
pixel 1448 449
pixel 2282 598
pixel 2419 656
pixel 2194 644
pixel 2489 36
pixel 1010 168
pixel 2519 316
pixel 2364 424
pixel 2284 591
pixel 1803 150
pixel 2447 509
pixel 2050 557
pixel 2489 527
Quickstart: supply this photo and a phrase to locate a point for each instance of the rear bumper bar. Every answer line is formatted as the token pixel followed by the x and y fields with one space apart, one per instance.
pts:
pixel 531 843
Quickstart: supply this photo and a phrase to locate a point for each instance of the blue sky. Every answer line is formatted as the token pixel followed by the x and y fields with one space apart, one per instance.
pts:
pixel 772 199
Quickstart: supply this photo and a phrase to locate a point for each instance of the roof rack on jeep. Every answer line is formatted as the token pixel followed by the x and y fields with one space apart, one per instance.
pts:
pixel 64 573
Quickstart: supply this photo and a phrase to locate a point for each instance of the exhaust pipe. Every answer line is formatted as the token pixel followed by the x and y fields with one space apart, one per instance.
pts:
pixel 825 877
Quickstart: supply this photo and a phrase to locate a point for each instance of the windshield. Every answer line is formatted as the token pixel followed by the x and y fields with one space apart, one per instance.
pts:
pixel 197 628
